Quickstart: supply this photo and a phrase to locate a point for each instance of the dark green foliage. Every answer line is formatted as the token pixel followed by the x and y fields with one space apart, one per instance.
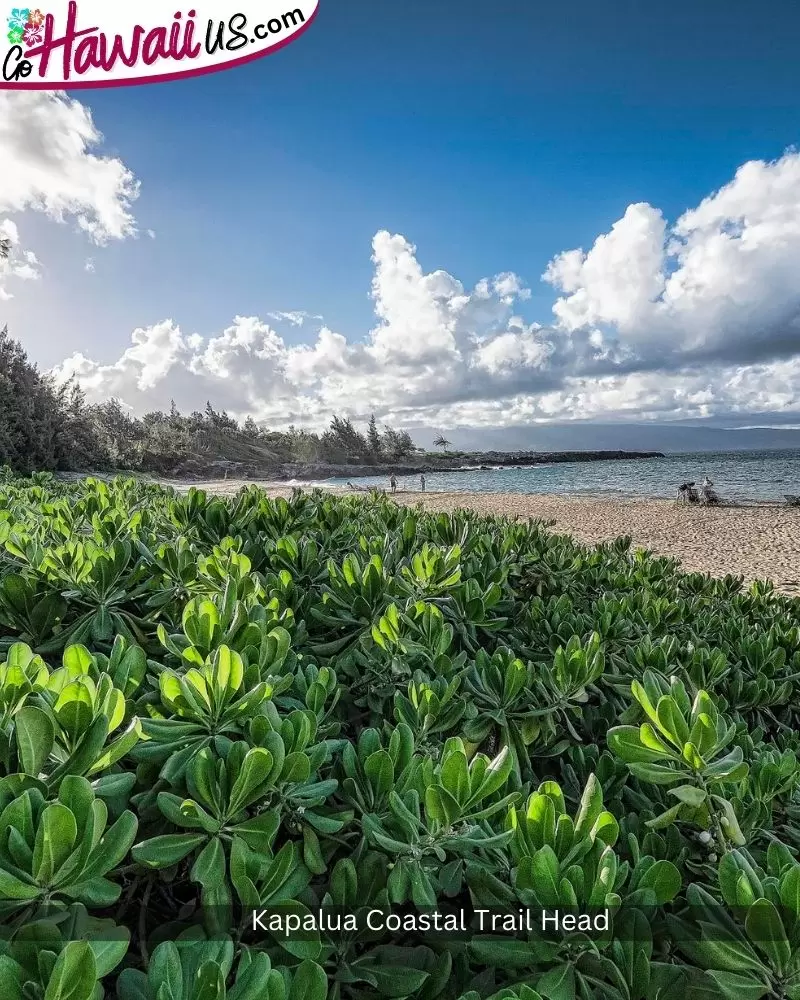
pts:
pixel 42 426
pixel 47 426
pixel 212 706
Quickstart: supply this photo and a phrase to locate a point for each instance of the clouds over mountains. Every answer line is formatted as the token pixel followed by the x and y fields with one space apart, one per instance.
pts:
pixel 699 317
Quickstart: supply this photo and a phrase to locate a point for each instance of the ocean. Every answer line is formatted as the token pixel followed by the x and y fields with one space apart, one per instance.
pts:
pixel 740 476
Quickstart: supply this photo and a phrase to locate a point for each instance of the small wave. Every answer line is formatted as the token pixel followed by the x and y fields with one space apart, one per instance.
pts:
pixel 311 484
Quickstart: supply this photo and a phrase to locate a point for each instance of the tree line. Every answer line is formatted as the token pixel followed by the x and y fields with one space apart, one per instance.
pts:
pixel 49 425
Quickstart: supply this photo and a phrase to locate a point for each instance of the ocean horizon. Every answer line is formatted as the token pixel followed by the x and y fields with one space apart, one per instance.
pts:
pixel 737 475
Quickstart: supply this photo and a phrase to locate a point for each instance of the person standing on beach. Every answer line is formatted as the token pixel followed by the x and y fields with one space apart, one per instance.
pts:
pixel 393 482
pixel 422 482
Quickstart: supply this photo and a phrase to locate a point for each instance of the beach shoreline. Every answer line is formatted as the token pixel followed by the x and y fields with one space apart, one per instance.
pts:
pixel 759 541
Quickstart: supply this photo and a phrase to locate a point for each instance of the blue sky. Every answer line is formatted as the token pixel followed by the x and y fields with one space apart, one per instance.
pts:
pixel 491 136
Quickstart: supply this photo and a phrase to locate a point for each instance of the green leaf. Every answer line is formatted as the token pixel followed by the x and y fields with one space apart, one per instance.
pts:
pixel 167 850
pixel 12 888
pixel 35 735
pixel 395 981
pixel 502 952
pixel 379 769
pixel 664 879
pixel 109 952
pixel 209 868
pixel 590 808
pixel 55 840
pixel 309 982
pixel 740 987
pixel 790 890
pixel 691 795
pixel 305 944
pixel 75 974
pixel 765 929
pixel 255 770
pixel 441 806
pixel 625 742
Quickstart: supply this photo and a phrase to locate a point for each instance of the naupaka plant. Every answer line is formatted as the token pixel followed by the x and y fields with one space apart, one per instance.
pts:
pixel 59 851
pixel 399 687
pixel 687 746
pixel 73 720
pixel 525 704
pixel 203 704
pixel 750 942
pixel 443 820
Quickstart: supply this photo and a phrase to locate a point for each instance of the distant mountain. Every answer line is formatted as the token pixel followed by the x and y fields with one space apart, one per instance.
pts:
pixel 669 438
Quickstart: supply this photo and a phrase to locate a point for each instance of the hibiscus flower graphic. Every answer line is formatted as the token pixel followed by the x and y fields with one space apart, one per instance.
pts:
pixel 35 19
pixel 19 18
pixel 15 36
pixel 33 34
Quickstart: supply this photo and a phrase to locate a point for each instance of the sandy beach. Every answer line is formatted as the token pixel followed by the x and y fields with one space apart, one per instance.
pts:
pixel 759 542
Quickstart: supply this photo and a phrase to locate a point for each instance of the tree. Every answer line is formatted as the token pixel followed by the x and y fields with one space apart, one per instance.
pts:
pixel 48 425
pixel 405 445
pixel 396 444
pixel 250 428
pixel 43 424
pixel 344 439
pixel 122 434
pixel 30 414
pixel 219 420
pixel 78 444
pixel 374 439
pixel 442 442
pixel 5 248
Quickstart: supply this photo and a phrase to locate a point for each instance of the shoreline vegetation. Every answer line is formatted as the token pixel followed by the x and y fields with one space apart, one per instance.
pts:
pixel 759 541
pixel 47 426
pixel 214 705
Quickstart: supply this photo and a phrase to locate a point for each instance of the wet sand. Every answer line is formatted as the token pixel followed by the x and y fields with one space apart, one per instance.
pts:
pixel 758 542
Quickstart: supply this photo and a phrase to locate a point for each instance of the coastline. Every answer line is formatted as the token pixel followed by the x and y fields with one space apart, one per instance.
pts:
pixel 759 541
pixel 478 461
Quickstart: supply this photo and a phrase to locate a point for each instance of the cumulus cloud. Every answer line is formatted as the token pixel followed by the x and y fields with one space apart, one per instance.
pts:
pixel 47 164
pixel 718 285
pixel 694 319
pixel 153 356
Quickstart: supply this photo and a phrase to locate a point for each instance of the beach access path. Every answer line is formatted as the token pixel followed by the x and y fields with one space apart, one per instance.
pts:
pixel 760 542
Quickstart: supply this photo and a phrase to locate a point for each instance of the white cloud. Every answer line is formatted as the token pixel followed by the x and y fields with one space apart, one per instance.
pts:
pixel 699 319
pixel 47 164
pixel 526 348
pixel 296 317
pixel 153 355
pixel 720 284
pixel 20 264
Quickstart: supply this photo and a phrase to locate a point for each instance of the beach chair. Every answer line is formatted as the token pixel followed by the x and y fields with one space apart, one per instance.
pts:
pixel 708 495
pixel 687 493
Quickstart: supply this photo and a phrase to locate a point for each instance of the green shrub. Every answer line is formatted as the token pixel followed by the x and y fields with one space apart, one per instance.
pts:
pixel 216 706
